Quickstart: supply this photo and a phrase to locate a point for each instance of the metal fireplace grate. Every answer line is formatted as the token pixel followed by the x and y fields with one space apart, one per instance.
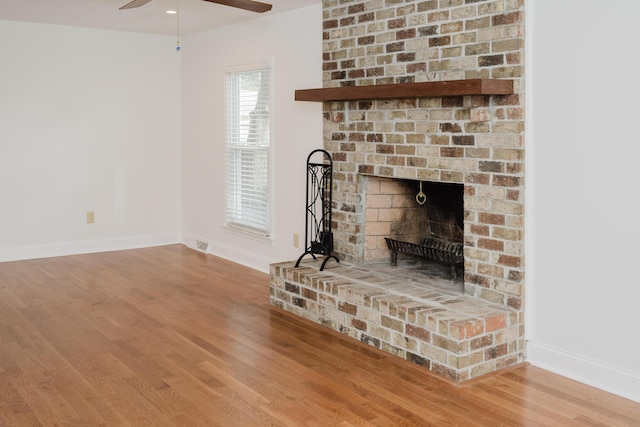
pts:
pixel 442 251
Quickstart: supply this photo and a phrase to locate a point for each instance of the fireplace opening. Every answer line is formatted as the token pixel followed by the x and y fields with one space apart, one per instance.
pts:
pixel 415 229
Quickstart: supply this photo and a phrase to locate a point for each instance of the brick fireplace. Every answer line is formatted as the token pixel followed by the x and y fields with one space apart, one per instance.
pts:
pixel 474 142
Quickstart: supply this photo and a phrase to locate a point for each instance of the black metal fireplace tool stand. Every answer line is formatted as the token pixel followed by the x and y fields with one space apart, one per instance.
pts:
pixel 317 235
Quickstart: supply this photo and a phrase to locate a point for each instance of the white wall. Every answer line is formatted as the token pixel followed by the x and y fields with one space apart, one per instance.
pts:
pixel 89 121
pixel 292 41
pixel 583 152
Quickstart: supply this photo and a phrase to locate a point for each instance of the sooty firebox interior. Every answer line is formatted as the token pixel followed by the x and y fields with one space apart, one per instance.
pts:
pixel 426 226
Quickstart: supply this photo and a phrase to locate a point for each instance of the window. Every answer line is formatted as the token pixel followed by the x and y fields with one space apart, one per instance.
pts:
pixel 248 151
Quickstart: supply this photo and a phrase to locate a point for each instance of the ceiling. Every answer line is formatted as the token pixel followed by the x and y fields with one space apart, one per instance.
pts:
pixel 195 15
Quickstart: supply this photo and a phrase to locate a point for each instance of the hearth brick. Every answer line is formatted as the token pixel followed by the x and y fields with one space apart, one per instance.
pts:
pixel 359 324
pixel 466 328
pixel 290 287
pixel 394 324
pixel 450 333
pixel 309 294
pixel 348 308
pixel 418 332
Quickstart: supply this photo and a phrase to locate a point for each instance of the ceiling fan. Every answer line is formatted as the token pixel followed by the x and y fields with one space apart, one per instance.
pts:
pixel 253 6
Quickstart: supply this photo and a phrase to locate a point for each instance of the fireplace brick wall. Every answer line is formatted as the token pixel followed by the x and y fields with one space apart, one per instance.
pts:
pixel 477 141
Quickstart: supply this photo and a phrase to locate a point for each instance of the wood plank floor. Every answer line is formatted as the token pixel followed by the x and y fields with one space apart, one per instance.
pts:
pixel 171 337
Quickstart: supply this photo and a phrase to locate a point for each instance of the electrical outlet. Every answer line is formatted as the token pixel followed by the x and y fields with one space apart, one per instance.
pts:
pixel 296 240
pixel 91 217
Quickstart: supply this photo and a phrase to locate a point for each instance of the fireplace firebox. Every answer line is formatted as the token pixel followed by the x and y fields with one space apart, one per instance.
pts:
pixel 415 219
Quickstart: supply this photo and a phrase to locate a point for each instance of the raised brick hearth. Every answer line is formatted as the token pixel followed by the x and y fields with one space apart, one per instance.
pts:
pixel 476 142
pixel 454 335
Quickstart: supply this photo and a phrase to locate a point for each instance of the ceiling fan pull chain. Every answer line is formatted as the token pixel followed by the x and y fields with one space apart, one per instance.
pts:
pixel 178 26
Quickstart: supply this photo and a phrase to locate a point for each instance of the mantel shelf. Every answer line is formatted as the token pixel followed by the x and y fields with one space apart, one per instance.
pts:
pixel 408 90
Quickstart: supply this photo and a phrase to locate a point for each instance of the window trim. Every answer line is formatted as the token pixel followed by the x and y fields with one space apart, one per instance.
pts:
pixel 236 229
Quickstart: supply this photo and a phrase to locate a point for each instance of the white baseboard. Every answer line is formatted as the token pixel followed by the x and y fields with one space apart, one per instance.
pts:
pixel 248 259
pixel 86 247
pixel 608 378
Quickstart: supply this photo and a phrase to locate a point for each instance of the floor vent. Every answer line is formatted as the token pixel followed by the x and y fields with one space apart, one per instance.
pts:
pixel 202 245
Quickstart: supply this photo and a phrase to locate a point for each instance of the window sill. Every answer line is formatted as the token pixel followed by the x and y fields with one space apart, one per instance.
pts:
pixel 248 234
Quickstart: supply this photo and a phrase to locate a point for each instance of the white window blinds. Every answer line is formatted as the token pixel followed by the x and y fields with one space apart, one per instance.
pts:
pixel 247 151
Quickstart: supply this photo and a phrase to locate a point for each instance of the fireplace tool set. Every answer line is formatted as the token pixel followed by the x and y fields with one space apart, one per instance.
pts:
pixel 318 236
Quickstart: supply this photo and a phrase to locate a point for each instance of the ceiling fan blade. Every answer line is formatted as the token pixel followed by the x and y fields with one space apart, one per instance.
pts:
pixel 134 3
pixel 253 6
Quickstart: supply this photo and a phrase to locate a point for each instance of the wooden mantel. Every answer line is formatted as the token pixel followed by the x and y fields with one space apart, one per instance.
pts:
pixel 408 90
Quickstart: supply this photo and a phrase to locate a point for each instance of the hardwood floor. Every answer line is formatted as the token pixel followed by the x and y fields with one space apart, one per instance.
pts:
pixel 172 337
